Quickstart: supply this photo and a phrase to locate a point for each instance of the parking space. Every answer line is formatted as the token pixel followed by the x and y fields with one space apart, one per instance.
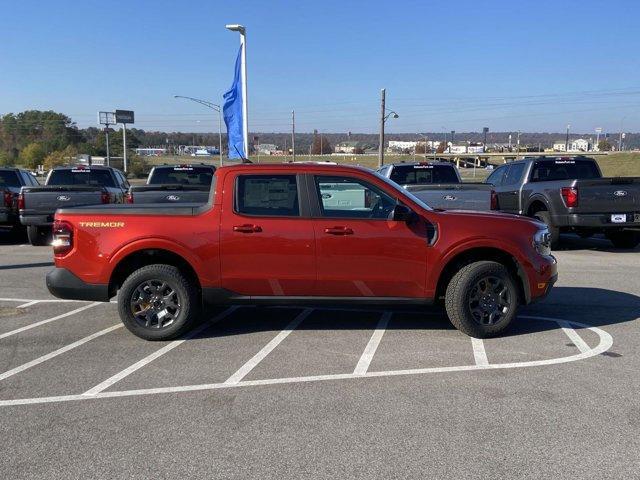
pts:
pixel 314 373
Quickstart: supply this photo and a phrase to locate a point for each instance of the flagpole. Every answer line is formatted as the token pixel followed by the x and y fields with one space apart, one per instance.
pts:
pixel 243 72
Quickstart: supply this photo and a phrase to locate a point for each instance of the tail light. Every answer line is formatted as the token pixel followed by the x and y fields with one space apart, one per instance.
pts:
pixel 62 237
pixel 494 200
pixel 105 197
pixel 570 196
pixel 128 197
pixel 21 201
pixel 8 199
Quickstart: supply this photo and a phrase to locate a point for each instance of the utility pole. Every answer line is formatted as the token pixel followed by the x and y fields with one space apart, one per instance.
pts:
pixel 382 120
pixel 106 132
pixel 293 134
pixel 124 145
pixel 566 142
pixel 518 145
pixel 598 132
pixel 320 143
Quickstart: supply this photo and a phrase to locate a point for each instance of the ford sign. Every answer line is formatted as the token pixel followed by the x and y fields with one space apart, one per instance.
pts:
pixel 173 198
pixel 64 198
pixel 620 193
pixel 450 198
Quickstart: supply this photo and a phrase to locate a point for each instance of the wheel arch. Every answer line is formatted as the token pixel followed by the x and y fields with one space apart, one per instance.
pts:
pixel 537 204
pixel 476 254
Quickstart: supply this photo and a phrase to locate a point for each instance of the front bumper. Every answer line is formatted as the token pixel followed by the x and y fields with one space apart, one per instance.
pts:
pixel 544 276
pixel 64 284
pixel 593 220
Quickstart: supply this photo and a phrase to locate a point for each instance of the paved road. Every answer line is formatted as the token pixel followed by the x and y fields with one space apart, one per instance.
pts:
pixel 297 393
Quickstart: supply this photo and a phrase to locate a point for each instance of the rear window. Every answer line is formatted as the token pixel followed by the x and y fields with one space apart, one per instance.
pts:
pixel 84 176
pixel 9 179
pixel 423 174
pixel 268 195
pixel 549 170
pixel 186 175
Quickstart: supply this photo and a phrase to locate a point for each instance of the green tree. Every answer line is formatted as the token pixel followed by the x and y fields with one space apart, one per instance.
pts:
pixel 32 155
pixel 60 157
pixel 321 145
pixel 604 146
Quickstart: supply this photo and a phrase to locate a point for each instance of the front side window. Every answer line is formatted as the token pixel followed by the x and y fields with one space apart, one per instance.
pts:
pixel 347 197
pixel 267 195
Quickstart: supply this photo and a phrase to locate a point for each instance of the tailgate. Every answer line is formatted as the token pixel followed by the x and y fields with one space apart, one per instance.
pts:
pixel 461 196
pixel 608 195
pixel 170 194
pixel 46 200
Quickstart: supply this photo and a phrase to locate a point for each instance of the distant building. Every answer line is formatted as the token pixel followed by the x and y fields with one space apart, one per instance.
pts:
pixel 266 149
pixel 577 145
pixel 351 147
pixel 402 146
pixel 467 147
pixel 151 151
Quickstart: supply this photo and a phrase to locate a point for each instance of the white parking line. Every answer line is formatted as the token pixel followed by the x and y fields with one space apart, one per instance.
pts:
pixel 47 300
pixel 60 351
pixel 157 354
pixel 573 336
pixel 267 349
pixel 479 353
pixel 605 343
pixel 48 320
pixel 372 346
pixel 28 304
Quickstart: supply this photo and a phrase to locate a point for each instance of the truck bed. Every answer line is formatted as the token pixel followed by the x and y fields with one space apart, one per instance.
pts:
pixel 171 193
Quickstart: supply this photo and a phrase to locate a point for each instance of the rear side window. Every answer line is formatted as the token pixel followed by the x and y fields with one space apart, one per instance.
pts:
pixel 496 177
pixel 267 195
pixel 423 174
pixel 549 170
pixel 9 178
pixel 186 175
pixel 514 174
pixel 82 176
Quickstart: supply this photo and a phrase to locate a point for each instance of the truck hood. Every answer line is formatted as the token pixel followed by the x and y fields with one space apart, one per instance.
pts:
pixel 462 214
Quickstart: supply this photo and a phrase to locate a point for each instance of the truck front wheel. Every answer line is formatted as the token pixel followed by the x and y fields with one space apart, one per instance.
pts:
pixel 624 238
pixel 481 299
pixel 158 302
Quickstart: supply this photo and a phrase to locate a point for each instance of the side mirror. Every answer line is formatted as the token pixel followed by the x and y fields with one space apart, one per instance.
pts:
pixel 402 213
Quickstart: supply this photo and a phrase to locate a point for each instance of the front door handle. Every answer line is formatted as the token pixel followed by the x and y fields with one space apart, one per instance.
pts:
pixel 247 228
pixel 338 231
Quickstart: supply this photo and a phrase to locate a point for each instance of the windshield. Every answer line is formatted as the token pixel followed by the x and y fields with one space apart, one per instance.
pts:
pixel 182 175
pixel 423 174
pixel 81 176
pixel 403 192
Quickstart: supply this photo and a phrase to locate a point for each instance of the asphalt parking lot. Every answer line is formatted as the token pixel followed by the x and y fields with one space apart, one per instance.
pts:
pixel 324 393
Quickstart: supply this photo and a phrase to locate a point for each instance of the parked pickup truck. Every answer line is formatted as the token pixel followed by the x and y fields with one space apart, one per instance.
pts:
pixel 68 187
pixel 174 184
pixel 298 234
pixel 439 185
pixel 11 181
pixel 570 194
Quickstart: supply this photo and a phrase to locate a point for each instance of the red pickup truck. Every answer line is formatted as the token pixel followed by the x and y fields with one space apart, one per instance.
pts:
pixel 299 234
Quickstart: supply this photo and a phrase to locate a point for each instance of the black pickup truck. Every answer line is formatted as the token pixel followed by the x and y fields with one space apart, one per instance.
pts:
pixel 68 186
pixel 174 184
pixel 569 194
pixel 439 185
pixel 11 181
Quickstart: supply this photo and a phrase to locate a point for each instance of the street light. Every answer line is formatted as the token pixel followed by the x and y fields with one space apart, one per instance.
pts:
pixel 212 106
pixel 384 116
pixel 243 70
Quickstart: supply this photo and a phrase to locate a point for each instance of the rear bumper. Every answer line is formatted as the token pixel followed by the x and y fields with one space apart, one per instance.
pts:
pixel 592 220
pixel 64 284
pixel 38 220
pixel 8 217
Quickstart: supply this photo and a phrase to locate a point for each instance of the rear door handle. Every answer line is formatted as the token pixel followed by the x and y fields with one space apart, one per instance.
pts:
pixel 338 231
pixel 247 228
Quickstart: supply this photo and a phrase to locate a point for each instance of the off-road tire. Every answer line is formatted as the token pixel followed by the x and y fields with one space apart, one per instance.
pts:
pixel 38 236
pixel 458 294
pixel 187 293
pixel 626 239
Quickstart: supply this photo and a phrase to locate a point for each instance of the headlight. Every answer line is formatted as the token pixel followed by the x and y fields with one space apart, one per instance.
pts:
pixel 542 241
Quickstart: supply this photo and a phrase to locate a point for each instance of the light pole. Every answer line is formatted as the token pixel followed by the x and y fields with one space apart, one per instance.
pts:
pixel 621 134
pixel 212 106
pixel 245 102
pixel 384 116
pixel 566 141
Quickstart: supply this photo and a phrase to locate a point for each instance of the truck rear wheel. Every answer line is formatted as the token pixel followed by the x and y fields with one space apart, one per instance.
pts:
pixel 158 302
pixel 624 238
pixel 38 236
pixel 481 299
pixel 544 217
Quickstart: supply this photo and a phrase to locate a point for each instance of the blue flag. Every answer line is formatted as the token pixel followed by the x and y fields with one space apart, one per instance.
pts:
pixel 232 112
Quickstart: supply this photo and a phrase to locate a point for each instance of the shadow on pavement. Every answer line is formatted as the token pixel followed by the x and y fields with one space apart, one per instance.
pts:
pixel 620 307
pixel 570 242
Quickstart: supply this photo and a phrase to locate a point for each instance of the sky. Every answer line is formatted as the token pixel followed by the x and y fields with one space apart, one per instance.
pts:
pixel 446 65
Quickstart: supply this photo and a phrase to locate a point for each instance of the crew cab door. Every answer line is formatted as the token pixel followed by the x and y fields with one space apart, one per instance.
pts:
pixel 360 252
pixel 266 237
pixel 509 190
